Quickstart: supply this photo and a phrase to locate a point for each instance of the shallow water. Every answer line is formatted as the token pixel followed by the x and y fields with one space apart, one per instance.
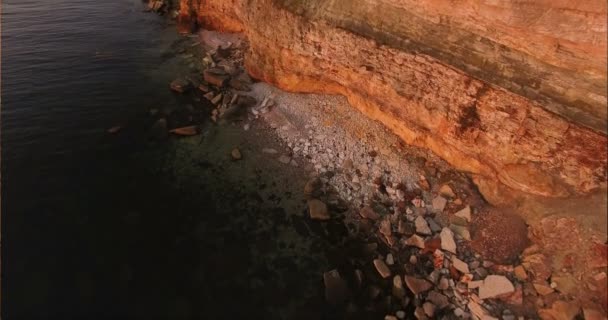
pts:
pixel 117 226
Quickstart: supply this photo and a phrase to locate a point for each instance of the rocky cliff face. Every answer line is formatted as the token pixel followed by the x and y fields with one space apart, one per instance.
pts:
pixel 513 92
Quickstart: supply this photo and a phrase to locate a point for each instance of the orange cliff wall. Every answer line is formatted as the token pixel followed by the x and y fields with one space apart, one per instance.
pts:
pixel 513 92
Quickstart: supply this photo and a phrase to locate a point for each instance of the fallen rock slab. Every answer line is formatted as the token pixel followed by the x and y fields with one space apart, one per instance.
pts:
pixel 495 285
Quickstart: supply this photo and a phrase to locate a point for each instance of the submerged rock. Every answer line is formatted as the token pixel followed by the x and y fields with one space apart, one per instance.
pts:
pixel 180 85
pixel 318 210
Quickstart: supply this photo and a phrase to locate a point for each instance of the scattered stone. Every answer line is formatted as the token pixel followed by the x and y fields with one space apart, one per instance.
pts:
pixel 390 317
pixel 461 231
pixel 520 273
pixel 369 213
pixel 429 309
pixel 438 299
pixel 495 285
pixel 114 129
pixel 439 203
pixel 460 265
pixel 385 227
pixel 413 259
pixel 422 227
pixel 464 214
pixel 336 289
pixel 217 99
pixel 444 284
pixel 389 259
pixel 236 154
pixel 382 268
pixel 180 85
pixel 424 183
pixel 270 151
pixel 186 131
pixel 417 285
pixel 418 203
pixel 438 259
pixel 216 77
pixel 400 314
pixel 374 292
pixel 560 310
pixel 447 191
pixel 542 289
pixel 318 210
pixel 284 159
pixel 479 311
pixel 419 314
pixel 459 312
pixel 359 278
pixel 593 314
pixel 475 284
pixel 415 241
pixel 435 227
pixel 204 88
pixel 312 188
pixel 447 240
pixel 398 289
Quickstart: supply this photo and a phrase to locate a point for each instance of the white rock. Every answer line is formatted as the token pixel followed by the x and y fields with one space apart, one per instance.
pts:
pixel 460 265
pixel 439 203
pixel 400 314
pixel 415 241
pixel 422 226
pixel 495 285
pixel 390 260
pixel 447 240
pixel 464 214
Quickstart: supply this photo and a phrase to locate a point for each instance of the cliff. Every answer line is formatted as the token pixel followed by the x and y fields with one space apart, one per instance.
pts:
pixel 512 92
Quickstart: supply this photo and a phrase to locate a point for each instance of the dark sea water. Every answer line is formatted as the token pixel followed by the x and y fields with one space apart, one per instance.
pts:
pixel 100 226
pixel 70 70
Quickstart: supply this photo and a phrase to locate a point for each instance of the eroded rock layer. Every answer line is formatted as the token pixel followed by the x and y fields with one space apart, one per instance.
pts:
pixel 512 92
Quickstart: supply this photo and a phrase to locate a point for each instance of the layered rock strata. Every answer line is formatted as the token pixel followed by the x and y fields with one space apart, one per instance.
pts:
pixel 512 92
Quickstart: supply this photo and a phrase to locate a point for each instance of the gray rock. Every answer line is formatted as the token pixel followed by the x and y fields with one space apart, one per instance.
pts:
pixel 438 299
